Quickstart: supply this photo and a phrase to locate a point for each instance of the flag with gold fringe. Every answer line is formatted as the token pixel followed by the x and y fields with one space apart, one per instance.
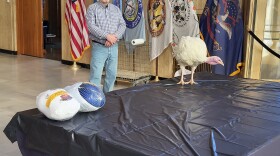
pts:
pixel 78 31
pixel 221 26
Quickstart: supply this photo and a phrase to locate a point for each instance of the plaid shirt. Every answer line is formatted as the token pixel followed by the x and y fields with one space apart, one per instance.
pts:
pixel 103 20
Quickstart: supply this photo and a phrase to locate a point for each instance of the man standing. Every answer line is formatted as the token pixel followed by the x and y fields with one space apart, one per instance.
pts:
pixel 106 26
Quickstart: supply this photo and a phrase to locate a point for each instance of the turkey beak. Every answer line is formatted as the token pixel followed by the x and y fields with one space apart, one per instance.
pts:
pixel 221 63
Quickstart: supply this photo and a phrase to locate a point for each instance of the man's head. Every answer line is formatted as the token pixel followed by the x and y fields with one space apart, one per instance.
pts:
pixel 105 2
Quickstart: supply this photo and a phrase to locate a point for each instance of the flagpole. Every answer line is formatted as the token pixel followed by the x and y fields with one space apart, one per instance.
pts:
pixel 156 79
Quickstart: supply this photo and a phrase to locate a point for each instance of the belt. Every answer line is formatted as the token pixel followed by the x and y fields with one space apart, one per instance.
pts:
pixel 98 42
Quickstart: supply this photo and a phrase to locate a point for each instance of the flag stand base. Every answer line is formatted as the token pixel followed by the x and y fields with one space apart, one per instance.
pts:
pixel 156 79
pixel 75 66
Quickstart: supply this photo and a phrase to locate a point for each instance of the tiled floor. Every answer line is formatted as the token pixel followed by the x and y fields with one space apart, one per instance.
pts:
pixel 22 78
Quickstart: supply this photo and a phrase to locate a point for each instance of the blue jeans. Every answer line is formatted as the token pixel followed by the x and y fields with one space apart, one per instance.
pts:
pixel 104 56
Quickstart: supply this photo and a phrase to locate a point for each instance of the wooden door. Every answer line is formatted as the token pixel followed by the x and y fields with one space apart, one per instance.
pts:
pixel 29 27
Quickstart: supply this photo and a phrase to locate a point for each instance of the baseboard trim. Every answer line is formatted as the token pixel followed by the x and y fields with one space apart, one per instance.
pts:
pixel 83 65
pixel 8 52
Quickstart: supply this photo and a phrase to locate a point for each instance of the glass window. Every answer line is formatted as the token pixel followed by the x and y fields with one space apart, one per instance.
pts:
pixel 270 65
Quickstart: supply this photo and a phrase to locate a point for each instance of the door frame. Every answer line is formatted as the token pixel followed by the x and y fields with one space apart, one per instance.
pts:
pixel 254 21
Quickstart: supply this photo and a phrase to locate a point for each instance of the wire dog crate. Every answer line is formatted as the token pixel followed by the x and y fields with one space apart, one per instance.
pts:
pixel 134 67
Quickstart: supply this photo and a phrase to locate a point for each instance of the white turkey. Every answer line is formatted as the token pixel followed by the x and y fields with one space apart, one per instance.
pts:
pixel 192 51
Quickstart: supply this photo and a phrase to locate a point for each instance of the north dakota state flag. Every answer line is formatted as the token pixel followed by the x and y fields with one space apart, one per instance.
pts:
pixel 222 28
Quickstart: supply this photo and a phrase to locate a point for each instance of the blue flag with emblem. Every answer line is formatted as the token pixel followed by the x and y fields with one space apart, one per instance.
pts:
pixel 133 14
pixel 118 3
pixel 221 26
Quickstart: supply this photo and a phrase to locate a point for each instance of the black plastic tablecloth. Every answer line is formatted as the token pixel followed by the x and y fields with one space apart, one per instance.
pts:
pixel 220 115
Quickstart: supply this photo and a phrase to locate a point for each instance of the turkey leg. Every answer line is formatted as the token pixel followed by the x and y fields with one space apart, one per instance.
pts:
pixel 191 81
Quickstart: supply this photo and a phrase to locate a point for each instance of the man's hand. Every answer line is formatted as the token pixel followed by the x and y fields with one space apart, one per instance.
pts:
pixel 108 44
pixel 111 38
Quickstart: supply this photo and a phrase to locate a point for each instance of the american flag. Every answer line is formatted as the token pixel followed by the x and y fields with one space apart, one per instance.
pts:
pixel 75 17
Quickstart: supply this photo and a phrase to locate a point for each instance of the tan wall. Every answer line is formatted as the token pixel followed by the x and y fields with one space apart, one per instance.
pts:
pixel 8 25
pixel 199 5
